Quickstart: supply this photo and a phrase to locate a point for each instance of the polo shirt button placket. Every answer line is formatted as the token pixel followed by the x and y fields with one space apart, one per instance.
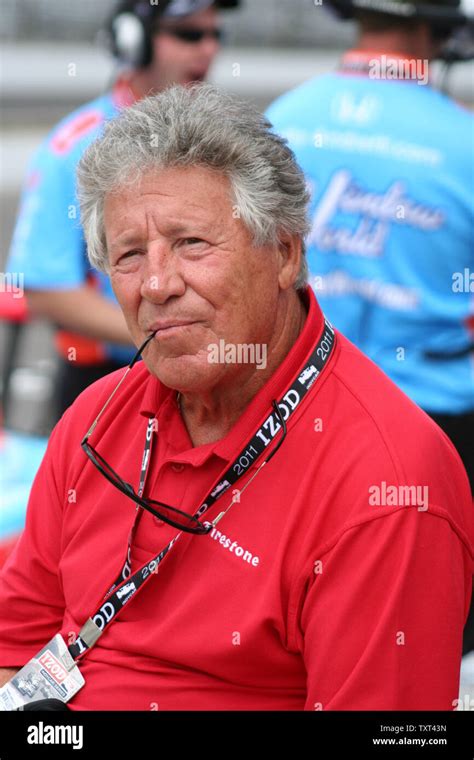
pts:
pixel 176 467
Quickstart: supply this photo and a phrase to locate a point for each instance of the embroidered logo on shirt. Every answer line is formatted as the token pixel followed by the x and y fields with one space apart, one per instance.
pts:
pixel 234 548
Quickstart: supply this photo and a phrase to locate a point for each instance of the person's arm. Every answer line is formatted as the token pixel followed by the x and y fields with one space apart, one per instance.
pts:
pixel 82 310
pixel 381 619
pixel 6 674
pixel 48 251
pixel 33 605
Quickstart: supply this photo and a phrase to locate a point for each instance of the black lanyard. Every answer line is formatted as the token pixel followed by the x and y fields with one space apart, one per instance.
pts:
pixel 126 585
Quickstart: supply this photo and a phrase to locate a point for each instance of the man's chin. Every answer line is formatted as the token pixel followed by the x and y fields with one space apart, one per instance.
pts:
pixel 186 373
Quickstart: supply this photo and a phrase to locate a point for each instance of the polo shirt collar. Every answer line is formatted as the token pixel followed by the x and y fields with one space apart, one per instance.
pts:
pixel 156 394
pixel 400 65
pixel 123 93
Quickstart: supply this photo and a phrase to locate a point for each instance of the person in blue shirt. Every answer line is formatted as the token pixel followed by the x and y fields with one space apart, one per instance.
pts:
pixel 174 41
pixel 390 166
pixel 389 163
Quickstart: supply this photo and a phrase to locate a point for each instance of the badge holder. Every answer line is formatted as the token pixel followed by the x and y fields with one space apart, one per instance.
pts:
pixel 50 674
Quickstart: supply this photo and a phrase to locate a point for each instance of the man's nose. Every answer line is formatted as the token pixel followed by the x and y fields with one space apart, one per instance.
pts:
pixel 162 278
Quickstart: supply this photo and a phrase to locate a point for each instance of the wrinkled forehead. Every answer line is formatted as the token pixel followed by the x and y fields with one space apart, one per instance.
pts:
pixel 195 186
pixel 185 195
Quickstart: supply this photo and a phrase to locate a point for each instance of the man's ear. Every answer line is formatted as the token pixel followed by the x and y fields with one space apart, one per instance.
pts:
pixel 290 253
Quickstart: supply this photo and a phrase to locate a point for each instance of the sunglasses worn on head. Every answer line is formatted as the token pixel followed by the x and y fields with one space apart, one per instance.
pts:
pixel 192 35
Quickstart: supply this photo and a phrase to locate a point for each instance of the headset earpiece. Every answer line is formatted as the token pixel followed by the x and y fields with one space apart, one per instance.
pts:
pixel 131 30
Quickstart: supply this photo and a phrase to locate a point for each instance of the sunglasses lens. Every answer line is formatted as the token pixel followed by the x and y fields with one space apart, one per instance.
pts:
pixel 170 515
pixel 106 470
pixel 195 35
pixel 110 472
pixel 174 516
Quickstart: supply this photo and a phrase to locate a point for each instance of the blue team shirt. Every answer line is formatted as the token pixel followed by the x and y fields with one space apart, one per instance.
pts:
pixel 389 165
pixel 48 244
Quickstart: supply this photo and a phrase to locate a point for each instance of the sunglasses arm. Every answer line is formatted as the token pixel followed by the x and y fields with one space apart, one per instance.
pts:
pixel 134 360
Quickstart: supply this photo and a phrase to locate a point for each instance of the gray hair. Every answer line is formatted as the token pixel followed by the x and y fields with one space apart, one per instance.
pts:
pixel 197 126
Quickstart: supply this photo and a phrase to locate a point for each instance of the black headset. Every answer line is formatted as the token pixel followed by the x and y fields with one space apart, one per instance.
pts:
pixel 445 17
pixel 443 12
pixel 132 25
pixel 130 31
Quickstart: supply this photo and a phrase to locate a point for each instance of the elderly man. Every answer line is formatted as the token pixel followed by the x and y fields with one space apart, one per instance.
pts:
pixel 334 571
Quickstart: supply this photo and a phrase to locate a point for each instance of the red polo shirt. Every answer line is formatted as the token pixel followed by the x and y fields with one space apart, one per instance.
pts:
pixel 314 592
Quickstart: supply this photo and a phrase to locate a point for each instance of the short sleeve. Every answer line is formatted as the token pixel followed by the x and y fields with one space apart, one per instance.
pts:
pixel 381 618
pixel 32 603
pixel 48 246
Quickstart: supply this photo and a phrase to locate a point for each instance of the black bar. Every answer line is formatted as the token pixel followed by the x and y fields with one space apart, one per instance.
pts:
pixel 306 734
